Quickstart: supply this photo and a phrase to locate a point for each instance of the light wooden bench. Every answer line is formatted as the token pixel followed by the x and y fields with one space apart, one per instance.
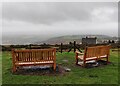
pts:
pixel 93 53
pixel 29 57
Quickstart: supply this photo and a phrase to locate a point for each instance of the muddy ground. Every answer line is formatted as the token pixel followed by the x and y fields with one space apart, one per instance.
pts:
pixel 60 70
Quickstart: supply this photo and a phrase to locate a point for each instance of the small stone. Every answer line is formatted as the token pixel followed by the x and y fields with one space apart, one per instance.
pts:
pixel 65 60
pixel 67 69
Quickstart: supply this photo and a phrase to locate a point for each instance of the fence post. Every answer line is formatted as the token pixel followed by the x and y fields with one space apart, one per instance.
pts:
pixel 70 47
pixel 74 46
pixel 29 46
pixel 61 47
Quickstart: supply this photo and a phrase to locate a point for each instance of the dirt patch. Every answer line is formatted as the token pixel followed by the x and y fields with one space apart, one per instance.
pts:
pixel 60 70
pixel 99 63
pixel 42 71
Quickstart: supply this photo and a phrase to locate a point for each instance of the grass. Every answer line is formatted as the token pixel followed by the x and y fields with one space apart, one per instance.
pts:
pixel 107 74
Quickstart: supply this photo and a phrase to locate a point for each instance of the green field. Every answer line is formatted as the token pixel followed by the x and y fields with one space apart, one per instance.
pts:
pixel 107 74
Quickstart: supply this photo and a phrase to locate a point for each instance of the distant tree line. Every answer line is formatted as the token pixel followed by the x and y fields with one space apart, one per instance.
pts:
pixel 57 46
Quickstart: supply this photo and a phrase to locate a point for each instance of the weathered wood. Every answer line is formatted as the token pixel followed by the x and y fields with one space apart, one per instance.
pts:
pixel 33 57
pixel 54 54
pixel 61 47
pixel 94 53
pixel 73 45
pixel 13 61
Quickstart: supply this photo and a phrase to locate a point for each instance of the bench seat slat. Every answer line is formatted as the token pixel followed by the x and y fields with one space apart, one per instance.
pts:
pixel 103 56
pixel 25 63
pixel 90 58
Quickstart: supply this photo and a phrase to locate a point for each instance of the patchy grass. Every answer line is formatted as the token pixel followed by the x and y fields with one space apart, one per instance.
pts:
pixel 107 74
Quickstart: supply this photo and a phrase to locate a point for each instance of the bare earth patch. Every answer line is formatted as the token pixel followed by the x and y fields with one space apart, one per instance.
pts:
pixel 41 71
pixel 60 70
pixel 99 63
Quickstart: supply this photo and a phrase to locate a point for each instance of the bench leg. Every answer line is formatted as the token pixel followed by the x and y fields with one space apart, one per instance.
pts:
pixel 84 63
pixel 107 60
pixel 76 58
pixel 76 61
pixel 14 69
pixel 54 66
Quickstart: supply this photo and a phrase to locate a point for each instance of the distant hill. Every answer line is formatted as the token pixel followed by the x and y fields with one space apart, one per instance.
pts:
pixel 22 39
pixel 39 39
pixel 71 38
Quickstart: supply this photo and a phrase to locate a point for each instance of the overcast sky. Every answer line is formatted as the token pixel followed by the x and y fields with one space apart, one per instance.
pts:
pixel 60 18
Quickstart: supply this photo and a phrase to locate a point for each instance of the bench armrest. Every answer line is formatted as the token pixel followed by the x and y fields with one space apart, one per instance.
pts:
pixel 79 53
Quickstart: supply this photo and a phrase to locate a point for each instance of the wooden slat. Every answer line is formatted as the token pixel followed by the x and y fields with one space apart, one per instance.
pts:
pixel 29 50
pixel 92 52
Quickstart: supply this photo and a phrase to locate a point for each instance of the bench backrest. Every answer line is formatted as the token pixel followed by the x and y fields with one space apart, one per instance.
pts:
pixel 91 52
pixel 96 51
pixel 104 50
pixel 31 55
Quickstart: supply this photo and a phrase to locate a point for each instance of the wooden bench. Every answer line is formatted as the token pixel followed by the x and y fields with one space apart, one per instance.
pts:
pixel 29 57
pixel 93 53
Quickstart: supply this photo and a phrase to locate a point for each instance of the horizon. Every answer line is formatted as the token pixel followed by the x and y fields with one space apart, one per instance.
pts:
pixel 23 40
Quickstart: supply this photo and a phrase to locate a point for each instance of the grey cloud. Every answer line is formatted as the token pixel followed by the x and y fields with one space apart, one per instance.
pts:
pixel 119 11
pixel 49 12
